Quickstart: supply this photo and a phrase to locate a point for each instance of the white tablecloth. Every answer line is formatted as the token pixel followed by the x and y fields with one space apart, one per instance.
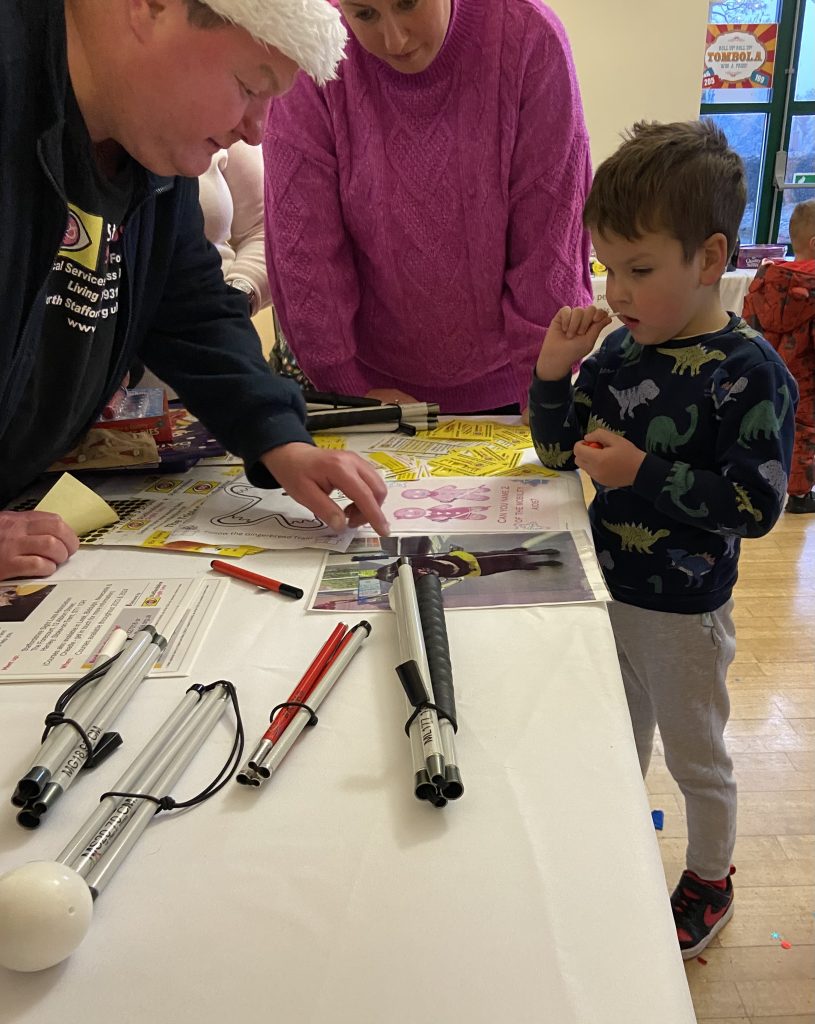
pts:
pixel 331 896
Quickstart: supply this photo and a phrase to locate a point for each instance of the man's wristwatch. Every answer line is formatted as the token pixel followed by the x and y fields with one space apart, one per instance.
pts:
pixel 248 288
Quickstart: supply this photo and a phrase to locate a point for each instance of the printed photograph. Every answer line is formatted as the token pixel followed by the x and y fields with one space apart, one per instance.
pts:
pixel 477 570
pixel 18 602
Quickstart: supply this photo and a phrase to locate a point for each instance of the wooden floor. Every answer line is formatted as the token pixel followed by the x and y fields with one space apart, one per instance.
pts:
pixel 749 978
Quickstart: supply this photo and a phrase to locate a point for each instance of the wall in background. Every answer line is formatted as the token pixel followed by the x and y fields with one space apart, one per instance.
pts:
pixel 636 59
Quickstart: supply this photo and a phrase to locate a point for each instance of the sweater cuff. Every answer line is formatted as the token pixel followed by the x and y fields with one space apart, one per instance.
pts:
pixel 343 378
pixel 651 477
pixel 550 392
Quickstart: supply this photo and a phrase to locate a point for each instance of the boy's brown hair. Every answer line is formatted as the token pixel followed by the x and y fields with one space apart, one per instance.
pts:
pixel 680 178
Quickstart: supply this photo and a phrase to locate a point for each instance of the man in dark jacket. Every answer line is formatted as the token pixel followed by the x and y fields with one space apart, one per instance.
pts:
pixel 109 109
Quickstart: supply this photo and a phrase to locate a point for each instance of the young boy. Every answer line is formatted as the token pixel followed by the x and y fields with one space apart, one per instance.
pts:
pixel 684 421
pixel 781 304
pixel 802 231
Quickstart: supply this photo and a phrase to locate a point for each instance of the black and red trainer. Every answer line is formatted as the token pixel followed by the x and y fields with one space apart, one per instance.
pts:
pixel 701 909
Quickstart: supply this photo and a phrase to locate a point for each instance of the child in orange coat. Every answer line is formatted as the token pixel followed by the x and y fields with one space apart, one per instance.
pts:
pixel 781 304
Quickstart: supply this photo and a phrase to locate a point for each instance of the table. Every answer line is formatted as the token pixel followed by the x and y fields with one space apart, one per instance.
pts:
pixel 332 896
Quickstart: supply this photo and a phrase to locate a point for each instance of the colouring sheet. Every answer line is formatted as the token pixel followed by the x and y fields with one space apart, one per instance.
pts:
pixel 242 514
pixel 478 504
pixel 210 509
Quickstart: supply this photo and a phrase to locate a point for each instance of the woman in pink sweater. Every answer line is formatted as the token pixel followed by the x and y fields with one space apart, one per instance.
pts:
pixel 423 211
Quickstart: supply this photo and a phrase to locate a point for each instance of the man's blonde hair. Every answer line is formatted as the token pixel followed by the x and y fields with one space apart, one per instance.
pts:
pixel 310 32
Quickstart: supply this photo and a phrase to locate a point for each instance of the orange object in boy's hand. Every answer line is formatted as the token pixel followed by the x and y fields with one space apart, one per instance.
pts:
pixel 592 444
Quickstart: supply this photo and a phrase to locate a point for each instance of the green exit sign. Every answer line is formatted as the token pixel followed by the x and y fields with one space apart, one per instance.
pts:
pixel 804 178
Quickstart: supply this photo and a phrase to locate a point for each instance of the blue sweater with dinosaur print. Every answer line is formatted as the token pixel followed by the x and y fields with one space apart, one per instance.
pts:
pixel 715 415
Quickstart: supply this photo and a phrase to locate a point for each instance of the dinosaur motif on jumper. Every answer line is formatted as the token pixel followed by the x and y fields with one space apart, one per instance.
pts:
pixel 761 420
pixel 581 398
pixel 743 503
pixel 635 536
pixel 730 533
pixel 726 390
pixel 663 434
pixel 598 423
pixel 552 455
pixel 773 473
pixel 678 482
pixel 745 330
pixel 605 559
pixel 691 358
pixel 694 566
pixel 629 398
pixel 630 350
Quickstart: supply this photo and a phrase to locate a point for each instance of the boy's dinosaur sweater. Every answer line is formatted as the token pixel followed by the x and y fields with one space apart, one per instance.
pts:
pixel 715 415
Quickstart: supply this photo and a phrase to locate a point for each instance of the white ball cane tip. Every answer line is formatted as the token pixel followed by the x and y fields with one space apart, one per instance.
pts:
pixel 45 911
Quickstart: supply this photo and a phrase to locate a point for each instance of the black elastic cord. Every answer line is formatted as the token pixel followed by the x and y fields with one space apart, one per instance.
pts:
pixel 67 696
pixel 167 803
pixel 421 706
pixel 294 704
pixel 57 716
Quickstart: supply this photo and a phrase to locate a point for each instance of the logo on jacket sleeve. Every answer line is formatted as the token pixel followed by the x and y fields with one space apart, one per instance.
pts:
pixel 82 239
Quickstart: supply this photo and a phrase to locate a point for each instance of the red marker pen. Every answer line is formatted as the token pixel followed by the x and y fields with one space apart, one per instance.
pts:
pixel 253 577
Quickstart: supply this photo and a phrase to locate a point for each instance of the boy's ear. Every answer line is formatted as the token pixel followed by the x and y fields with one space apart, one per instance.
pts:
pixel 714 258
pixel 143 14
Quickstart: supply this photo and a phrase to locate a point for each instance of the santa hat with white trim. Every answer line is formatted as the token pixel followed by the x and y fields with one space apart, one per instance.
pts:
pixel 310 32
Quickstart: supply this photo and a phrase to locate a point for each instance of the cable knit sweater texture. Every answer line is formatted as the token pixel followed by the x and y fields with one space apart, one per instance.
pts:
pixel 422 230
